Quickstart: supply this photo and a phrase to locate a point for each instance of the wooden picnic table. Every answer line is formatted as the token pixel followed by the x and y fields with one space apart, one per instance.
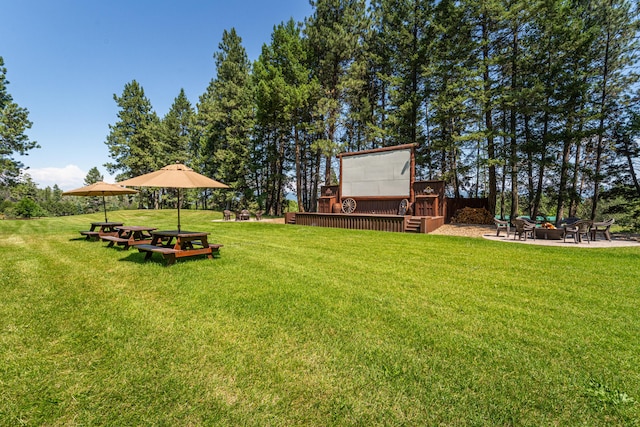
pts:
pixel 99 229
pixel 130 235
pixel 173 244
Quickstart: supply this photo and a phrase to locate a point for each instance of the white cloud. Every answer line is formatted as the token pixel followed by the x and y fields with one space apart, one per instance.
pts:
pixel 67 178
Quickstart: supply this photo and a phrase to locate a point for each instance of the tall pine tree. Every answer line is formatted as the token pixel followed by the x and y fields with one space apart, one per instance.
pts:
pixel 14 121
pixel 334 32
pixel 226 119
pixel 284 89
pixel 133 141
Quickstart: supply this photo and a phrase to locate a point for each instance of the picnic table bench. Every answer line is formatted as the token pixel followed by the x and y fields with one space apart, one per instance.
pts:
pixel 127 243
pixel 215 249
pixel 131 235
pixel 99 229
pixel 114 239
pixel 90 235
pixel 169 254
pixel 187 244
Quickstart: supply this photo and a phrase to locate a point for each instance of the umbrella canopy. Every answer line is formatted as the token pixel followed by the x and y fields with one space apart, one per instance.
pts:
pixel 174 176
pixel 100 189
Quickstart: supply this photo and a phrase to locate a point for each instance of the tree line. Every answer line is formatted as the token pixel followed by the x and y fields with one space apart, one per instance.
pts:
pixel 531 104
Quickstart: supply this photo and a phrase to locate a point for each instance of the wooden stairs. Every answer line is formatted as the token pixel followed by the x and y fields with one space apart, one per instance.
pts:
pixel 413 225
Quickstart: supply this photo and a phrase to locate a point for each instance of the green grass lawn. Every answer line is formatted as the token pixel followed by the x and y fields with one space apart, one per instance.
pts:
pixel 307 326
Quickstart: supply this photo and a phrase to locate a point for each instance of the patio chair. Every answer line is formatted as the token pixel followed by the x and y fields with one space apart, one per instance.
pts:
pixel 603 228
pixel 501 225
pixel 227 214
pixel 569 221
pixel 523 228
pixel 578 230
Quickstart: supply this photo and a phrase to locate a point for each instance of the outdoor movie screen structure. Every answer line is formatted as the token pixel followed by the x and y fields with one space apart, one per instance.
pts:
pixel 377 174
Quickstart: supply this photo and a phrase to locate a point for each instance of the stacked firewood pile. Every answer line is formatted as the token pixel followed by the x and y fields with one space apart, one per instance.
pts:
pixel 472 216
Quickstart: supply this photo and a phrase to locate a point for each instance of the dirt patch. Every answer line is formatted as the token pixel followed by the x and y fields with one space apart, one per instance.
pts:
pixel 465 230
pixel 252 219
pixel 273 220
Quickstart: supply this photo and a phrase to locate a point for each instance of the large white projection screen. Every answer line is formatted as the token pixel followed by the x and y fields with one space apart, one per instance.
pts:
pixel 386 174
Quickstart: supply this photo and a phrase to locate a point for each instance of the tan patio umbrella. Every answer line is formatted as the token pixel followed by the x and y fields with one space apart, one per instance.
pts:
pixel 100 189
pixel 174 176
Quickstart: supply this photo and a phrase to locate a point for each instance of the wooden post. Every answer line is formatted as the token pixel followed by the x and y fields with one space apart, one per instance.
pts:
pixel 412 176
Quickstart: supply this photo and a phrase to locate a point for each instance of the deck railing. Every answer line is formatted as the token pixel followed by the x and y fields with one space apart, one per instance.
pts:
pixel 392 223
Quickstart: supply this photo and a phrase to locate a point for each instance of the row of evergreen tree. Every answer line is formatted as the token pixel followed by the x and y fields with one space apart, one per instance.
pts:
pixel 532 104
pixel 530 99
pixel 23 199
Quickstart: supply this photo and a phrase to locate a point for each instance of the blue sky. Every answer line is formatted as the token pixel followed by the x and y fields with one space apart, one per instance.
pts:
pixel 66 59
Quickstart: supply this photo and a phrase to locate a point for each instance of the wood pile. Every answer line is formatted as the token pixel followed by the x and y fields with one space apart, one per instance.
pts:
pixel 472 216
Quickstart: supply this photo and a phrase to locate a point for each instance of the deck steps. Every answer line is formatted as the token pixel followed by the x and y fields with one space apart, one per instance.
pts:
pixel 413 225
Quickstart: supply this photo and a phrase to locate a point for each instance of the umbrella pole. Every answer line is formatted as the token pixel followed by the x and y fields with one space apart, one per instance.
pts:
pixel 178 210
pixel 104 206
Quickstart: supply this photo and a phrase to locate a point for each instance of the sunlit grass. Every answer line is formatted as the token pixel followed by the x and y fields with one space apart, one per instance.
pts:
pixel 310 326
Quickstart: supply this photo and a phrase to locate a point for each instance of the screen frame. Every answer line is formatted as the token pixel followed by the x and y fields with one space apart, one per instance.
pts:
pixel 380 151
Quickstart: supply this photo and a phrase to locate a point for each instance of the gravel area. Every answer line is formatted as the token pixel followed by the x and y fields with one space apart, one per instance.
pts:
pixel 465 230
pixel 489 232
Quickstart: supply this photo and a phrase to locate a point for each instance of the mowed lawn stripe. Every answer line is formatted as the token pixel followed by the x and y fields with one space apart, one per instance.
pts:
pixel 309 326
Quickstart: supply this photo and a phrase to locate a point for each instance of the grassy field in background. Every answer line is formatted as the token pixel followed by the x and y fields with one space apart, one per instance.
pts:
pixel 308 326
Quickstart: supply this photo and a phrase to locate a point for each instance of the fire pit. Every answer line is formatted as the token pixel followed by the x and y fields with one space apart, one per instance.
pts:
pixel 548 232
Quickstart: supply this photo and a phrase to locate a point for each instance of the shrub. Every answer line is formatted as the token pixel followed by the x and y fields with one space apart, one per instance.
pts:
pixel 27 208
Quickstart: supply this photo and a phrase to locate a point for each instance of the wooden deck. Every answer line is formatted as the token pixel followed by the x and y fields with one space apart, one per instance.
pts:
pixel 355 221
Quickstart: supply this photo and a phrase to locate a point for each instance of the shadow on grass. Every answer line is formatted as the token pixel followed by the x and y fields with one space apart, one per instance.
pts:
pixel 139 258
pixel 80 239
